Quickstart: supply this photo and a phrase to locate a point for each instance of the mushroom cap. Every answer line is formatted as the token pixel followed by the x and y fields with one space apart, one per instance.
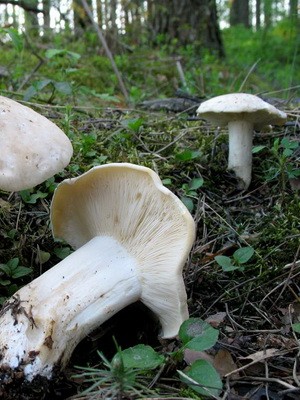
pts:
pixel 32 148
pixel 129 203
pixel 231 107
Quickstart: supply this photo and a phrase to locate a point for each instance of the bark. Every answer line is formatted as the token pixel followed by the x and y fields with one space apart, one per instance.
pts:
pixel 257 14
pixel 239 13
pixel 26 5
pixel 187 21
pixel 293 9
pixel 81 19
pixel 46 8
pixel 268 13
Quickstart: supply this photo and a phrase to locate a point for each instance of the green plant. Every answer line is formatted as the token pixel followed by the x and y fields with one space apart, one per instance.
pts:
pixel 190 194
pixel 196 334
pixel 296 327
pixel 15 36
pixel 64 62
pixel 9 273
pixel 124 374
pixel 29 196
pixel 237 261
pixel 283 164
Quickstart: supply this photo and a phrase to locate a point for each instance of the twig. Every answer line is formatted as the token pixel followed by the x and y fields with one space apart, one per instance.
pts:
pixel 273 380
pixel 257 361
pixel 181 73
pixel 107 50
pixel 285 282
pixel 248 74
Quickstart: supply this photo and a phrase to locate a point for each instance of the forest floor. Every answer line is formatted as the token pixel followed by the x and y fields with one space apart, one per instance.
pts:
pixel 253 307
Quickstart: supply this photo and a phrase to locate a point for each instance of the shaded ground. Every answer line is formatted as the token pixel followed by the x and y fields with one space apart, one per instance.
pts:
pixel 257 354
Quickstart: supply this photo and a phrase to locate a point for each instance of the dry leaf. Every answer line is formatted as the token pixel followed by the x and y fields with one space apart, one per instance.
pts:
pixel 192 355
pixel 216 319
pixel 260 355
pixel 224 364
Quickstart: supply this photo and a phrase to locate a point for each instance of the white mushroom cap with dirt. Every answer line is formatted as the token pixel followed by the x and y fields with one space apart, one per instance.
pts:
pixel 131 237
pixel 33 148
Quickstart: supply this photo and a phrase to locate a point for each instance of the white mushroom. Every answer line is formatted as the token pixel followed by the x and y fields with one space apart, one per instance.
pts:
pixel 132 236
pixel 243 113
pixel 32 148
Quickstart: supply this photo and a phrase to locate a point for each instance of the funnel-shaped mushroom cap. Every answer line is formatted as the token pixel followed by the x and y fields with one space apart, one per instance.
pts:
pixel 129 203
pixel 32 148
pixel 223 109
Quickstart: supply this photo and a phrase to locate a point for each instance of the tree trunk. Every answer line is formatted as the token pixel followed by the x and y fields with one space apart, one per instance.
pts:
pixel 31 20
pixel 188 21
pixel 257 14
pixel 293 9
pixel 239 13
pixel 268 13
pixel 81 20
pixel 46 9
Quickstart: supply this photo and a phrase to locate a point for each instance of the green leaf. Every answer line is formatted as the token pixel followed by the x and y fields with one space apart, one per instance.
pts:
pixel 257 149
pixel 289 144
pixel 203 378
pixel 21 271
pixel 62 252
pixel 293 173
pixel 13 263
pixel 31 198
pixel 6 269
pixel 197 334
pixel 167 181
pixel 35 88
pixel 188 203
pixel 243 254
pixel 187 155
pixel 140 357
pixel 16 38
pixel 225 262
pixel 10 266
pixel 5 282
pixel 196 183
pixel 288 152
pixel 134 124
pixel 51 53
pixel 296 327
pixel 63 87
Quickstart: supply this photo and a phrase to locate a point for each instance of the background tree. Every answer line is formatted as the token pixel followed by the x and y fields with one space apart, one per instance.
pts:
pixel 188 21
pixel 239 13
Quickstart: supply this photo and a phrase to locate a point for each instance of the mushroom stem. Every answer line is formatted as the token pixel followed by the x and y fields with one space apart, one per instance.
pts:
pixel 240 150
pixel 46 319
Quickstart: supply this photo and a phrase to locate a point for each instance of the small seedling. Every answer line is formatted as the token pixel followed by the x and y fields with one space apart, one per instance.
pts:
pixel 237 261
pixel 201 376
pixel 190 192
pixel 124 375
pixel 282 166
pixel 31 197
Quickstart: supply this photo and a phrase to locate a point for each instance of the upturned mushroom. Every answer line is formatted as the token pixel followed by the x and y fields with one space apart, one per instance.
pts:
pixel 131 237
pixel 243 113
pixel 32 148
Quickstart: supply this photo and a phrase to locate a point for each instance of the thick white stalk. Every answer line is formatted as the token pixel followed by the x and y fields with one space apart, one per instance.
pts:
pixel 240 150
pixel 46 319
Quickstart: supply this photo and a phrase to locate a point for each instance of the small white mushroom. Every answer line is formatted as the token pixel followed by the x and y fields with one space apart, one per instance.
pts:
pixel 243 113
pixel 132 237
pixel 32 148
